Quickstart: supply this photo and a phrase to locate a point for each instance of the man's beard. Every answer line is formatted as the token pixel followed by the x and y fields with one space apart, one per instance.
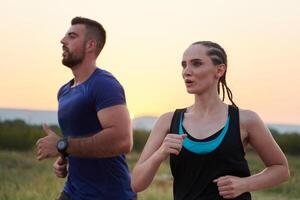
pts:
pixel 71 60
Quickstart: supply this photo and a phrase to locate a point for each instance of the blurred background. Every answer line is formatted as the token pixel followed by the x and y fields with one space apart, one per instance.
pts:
pixel 145 43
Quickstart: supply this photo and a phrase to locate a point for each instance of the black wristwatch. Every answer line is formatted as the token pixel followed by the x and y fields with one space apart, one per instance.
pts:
pixel 62 146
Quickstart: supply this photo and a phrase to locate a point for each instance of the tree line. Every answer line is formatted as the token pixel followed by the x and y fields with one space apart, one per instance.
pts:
pixel 17 135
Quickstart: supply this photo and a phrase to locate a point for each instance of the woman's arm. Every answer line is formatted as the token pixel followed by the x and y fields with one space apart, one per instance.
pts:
pixel 254 131
pixel 261 139
pixel 159 146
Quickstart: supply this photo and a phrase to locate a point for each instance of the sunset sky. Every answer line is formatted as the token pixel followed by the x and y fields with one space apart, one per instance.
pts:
pixel 145 43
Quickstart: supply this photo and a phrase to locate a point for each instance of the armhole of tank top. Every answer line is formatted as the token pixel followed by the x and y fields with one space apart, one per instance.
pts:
pixel 236 112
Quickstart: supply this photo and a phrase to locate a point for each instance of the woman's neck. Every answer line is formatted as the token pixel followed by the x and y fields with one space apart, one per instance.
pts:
pixel 207 104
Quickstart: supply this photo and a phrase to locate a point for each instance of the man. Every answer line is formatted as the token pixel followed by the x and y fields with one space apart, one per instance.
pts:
pixel 94 120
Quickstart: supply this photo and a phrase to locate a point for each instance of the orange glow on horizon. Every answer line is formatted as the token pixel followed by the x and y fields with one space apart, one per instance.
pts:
pixel 145 52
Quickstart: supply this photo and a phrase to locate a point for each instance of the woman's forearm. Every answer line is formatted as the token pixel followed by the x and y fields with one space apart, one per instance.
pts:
pixel 269 177
pixel 144 172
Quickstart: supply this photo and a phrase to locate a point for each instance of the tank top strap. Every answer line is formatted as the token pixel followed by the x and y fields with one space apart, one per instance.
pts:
pixel 235 126
pixel 234 115
pixel 174 128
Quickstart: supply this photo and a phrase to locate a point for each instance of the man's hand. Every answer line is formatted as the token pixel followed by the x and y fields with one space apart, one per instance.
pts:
pixel 46 146
pixel 60 167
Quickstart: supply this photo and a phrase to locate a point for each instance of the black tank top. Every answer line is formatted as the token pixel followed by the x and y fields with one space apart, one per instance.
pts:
pixel 194 173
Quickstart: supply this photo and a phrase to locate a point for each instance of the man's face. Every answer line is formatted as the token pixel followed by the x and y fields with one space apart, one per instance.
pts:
pixel 74 46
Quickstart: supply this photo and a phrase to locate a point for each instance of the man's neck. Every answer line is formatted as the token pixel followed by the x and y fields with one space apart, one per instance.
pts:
pixel 83 71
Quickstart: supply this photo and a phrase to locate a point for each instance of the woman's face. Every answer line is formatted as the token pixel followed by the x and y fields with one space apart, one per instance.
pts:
pixel 199 73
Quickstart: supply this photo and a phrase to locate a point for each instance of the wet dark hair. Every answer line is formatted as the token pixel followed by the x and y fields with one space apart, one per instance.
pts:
pixel 218 56
pixel 94 30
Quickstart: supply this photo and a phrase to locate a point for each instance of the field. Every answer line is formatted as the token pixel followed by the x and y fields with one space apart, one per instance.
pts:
pixel 22 177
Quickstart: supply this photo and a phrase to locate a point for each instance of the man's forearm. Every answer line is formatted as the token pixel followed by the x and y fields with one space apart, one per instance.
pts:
pixel 103 144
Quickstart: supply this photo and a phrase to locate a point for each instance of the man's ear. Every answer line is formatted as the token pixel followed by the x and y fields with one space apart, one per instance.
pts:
pixel 91 45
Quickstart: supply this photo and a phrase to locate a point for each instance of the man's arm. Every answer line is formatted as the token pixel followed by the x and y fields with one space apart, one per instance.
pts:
pixel 114 139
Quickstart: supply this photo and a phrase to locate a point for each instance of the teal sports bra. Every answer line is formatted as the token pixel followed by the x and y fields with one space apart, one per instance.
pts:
pixel 202 147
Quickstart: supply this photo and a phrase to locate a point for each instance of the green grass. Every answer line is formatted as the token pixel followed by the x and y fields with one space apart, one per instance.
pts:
pixel 22 177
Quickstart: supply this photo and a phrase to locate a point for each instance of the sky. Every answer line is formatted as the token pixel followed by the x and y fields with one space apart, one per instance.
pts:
pixel 145 43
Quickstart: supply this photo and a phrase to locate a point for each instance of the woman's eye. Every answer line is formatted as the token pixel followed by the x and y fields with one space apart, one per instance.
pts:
pixel 197 63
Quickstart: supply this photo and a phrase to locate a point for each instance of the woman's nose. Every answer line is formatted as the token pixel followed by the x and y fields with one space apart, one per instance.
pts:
pixel 186 71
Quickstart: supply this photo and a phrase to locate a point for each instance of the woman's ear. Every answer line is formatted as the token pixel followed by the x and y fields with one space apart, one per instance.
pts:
pixel 221 69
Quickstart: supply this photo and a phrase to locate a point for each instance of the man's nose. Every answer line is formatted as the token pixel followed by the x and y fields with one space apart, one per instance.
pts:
pixel 63 41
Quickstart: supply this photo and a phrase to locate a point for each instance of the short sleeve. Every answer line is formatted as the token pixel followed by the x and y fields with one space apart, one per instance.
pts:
pixel 107 92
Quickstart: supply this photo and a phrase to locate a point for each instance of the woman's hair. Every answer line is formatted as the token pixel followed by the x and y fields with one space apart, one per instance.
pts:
pixel 218 56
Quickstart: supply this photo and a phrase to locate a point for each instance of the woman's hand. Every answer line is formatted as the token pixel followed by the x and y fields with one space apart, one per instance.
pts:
pixel 231 186
pixel 172 144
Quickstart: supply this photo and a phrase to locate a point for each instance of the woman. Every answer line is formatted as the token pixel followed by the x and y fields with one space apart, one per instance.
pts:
pixel 206 141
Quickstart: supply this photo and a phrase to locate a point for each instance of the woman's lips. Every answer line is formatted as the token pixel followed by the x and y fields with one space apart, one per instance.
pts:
pixel 188 83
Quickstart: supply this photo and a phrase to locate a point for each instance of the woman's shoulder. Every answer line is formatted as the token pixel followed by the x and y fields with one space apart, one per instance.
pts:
pixel 164 121
pixel 166 117
pixel 249 118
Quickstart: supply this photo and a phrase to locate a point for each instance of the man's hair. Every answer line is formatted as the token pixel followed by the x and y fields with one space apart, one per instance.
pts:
pixel 94 30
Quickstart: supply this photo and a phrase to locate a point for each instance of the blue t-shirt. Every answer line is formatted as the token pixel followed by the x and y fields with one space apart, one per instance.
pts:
pixel 92 178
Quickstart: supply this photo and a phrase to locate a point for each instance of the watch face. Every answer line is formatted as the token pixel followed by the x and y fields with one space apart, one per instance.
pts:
pixel 61 145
